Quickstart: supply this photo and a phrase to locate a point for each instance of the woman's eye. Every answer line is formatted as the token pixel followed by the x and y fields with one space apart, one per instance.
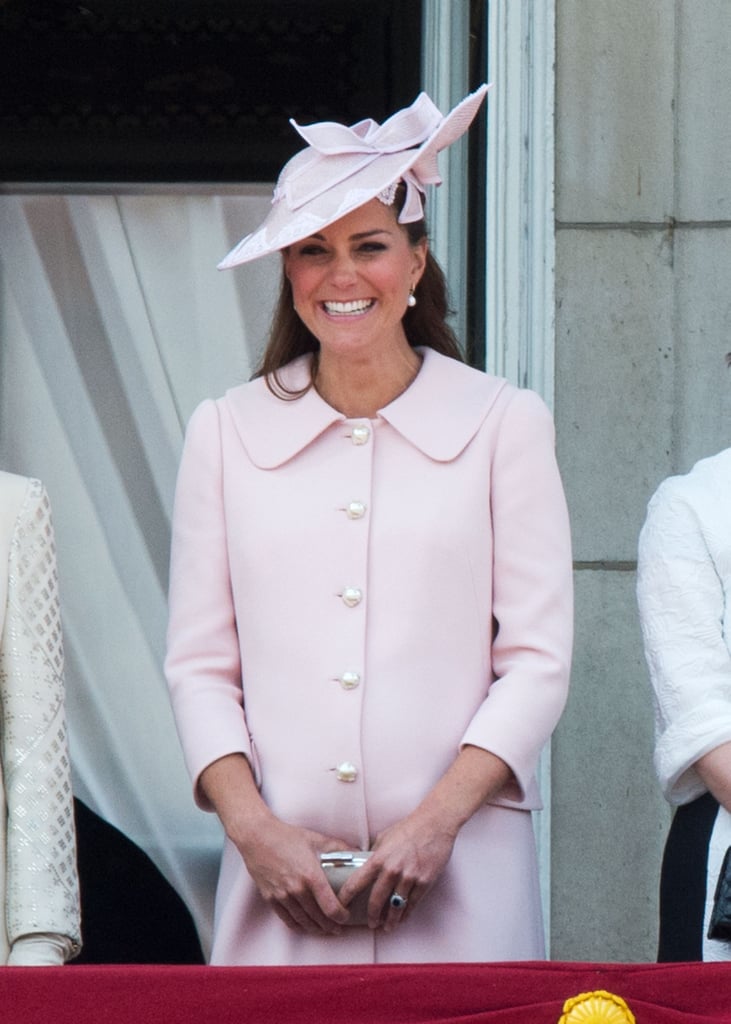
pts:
pixel 368 247
pixel 311 250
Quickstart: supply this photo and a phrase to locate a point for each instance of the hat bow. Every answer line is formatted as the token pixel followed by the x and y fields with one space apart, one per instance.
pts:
pixel 348 149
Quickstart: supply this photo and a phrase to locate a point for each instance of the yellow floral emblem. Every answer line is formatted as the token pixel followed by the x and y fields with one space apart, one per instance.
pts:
pixel 596 1008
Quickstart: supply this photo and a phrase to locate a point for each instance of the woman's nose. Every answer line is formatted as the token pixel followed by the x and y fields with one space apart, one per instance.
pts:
pixel 342 270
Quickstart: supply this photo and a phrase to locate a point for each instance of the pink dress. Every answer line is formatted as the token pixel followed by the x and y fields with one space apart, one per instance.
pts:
pixel 351 601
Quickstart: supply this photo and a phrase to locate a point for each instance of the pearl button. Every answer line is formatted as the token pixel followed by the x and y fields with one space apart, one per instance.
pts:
pixel 360 435
pixel 346 772
pixel 352 596
pixel 355 510
pixel 349 680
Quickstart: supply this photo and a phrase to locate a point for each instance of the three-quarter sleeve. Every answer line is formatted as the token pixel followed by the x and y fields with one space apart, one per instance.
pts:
pixel 682 602
pixel 203 663
pixel 532 593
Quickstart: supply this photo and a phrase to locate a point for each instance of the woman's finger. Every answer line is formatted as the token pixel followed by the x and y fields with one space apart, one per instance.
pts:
pixel 308 916
pixel 399 904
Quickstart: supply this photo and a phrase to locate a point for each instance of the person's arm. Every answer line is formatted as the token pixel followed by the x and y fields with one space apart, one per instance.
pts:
pixel 42 892
pixel 714 769
pixel 681 602
pixel 203 671
pixel 202 663
pixel 408 857
pixel 532 596
pixel 42 949
pixel 283 860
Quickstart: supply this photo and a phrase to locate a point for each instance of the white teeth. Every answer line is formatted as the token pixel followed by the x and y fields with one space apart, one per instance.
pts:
pixel 348 308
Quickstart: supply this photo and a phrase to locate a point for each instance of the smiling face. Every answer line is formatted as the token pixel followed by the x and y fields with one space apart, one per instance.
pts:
pixel 351 281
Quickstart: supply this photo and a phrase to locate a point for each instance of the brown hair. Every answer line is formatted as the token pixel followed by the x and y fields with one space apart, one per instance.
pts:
pixel 425 323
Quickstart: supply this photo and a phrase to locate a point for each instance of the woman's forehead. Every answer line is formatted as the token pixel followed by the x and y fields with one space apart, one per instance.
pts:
pixel 371 218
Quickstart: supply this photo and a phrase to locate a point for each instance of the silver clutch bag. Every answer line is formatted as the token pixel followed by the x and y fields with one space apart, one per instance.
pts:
pixel 338 867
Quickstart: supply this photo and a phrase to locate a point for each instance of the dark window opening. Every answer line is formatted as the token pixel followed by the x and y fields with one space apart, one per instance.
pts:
pixel 191 90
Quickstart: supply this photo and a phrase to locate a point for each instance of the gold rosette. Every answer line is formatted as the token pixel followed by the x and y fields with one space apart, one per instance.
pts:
pixel 596 1008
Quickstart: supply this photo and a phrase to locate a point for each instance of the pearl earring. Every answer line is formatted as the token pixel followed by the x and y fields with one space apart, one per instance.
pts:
pixel 411 301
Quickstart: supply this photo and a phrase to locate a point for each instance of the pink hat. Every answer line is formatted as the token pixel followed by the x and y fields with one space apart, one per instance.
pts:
pixel 344 167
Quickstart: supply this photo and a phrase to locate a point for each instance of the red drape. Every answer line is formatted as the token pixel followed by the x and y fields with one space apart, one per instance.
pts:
pixel 528 993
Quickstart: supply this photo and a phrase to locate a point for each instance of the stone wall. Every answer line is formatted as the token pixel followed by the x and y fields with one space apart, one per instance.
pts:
pixel 643 322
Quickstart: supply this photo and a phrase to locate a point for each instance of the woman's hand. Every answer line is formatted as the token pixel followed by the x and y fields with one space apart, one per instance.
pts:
pixel 714 769
pixel 284 863
pixel 283 860
pixel 407 859
pixel 409 856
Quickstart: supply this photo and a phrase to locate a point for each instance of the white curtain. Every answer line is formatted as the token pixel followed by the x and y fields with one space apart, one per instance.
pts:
pixel 114 324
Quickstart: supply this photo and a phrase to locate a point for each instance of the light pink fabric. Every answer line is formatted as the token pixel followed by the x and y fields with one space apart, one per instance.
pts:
pixel 465 521
pixel 344 167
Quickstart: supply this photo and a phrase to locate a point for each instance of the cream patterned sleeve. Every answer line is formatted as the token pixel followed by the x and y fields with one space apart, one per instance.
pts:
pixel 42 893
pixel 680 593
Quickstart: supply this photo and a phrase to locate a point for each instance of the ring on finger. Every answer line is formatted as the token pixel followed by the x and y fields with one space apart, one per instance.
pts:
pixel 397 901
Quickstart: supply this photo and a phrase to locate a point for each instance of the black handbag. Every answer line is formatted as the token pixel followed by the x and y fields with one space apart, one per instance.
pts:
pixel 719 926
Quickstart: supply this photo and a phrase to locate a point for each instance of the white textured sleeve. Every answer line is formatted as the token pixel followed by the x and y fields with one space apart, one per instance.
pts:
pixel 42 894
pixel 682 603
pixel 41 950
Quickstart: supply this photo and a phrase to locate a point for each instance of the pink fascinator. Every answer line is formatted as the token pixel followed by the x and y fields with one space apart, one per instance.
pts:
pixel 344 167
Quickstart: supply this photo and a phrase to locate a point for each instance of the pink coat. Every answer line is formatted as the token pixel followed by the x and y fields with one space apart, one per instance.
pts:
pixel 387 590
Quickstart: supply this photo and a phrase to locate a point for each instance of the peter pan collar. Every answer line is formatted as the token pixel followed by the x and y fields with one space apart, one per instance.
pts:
pixel 439 413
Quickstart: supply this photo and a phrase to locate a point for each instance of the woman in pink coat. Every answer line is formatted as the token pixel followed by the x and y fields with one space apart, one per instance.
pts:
pixel 370 600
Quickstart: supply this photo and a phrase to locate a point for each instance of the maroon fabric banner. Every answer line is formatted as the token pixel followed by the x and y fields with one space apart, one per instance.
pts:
pixel 528 993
